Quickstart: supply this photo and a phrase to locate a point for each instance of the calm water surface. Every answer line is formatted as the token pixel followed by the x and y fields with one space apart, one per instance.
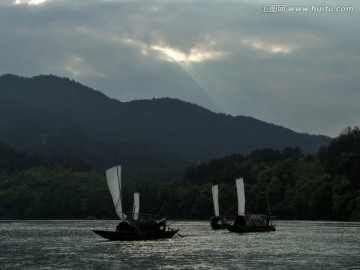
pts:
pixel 72 245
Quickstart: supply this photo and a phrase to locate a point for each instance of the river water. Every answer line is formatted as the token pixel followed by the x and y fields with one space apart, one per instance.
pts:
pixel 72 245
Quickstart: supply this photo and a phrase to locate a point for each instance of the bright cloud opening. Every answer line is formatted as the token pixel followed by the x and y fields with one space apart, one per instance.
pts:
pixel 195 55
pixel 166 53
pixel 267 47
pixel 29 2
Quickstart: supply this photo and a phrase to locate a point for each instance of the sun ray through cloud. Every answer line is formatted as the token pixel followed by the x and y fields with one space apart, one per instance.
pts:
pixel 188 64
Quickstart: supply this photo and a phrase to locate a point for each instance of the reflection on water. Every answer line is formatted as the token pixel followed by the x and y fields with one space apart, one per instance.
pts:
pixel 72 245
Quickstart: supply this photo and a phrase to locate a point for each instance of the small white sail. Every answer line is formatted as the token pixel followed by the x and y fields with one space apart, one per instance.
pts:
pixel 241 196
pixel 215 194
pixel 113 177
pixel 136 205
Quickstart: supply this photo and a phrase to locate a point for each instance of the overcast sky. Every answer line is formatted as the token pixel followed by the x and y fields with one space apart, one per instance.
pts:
pixel 300 70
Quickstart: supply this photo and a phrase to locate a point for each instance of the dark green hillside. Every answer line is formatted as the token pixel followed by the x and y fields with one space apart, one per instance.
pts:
pixel 199 134
pixel 30 108
pixel 298 186
pixel 36 112
pixel 323 186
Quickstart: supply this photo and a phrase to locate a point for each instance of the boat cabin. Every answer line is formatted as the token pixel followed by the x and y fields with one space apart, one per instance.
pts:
pixel 144 226
pixel 251 221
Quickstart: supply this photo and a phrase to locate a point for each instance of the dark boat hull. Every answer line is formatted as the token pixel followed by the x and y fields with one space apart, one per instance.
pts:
pixel 218 227
pixel 218 223
pixel 130 236
pixel 251 223
pixel 245 229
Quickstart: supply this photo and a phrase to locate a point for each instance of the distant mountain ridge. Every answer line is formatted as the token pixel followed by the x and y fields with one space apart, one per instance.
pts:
pixel 35 112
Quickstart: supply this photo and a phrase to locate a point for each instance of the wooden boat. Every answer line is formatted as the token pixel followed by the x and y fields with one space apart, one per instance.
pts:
pixel 251 223
pixel 217 222
pixel 133 226
pixel 138 230
pixel 243 223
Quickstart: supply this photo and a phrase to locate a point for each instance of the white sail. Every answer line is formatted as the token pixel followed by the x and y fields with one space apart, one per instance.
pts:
pixel 241 196
pixel 113 177
pixel 215 193
pixel 136 205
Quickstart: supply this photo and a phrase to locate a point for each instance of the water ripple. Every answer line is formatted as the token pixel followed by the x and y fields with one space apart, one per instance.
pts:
pixel 72 245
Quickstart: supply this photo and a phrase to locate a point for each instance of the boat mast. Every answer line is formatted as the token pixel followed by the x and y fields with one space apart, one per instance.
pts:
pixel 267 199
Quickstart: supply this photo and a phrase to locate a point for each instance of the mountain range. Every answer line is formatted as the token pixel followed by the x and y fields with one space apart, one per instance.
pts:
pixel 51 115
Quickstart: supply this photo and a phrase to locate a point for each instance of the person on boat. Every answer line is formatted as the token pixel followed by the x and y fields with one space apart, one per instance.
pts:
pixel 162 224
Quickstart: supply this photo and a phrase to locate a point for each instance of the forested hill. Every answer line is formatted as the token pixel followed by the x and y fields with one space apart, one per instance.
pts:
pixel 57 116
pixel 325 186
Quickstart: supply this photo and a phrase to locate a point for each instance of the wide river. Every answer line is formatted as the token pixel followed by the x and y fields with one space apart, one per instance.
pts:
pixel 72 245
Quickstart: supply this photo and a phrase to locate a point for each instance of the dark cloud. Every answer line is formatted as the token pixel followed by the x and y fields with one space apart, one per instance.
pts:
pixel 299 70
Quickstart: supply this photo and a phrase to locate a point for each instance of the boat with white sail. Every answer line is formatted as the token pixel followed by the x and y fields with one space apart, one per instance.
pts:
pixel 217 222
pixel 133 225
pixel 243 222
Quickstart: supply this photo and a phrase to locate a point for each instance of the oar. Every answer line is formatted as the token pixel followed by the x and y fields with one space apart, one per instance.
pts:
pixel 179 234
